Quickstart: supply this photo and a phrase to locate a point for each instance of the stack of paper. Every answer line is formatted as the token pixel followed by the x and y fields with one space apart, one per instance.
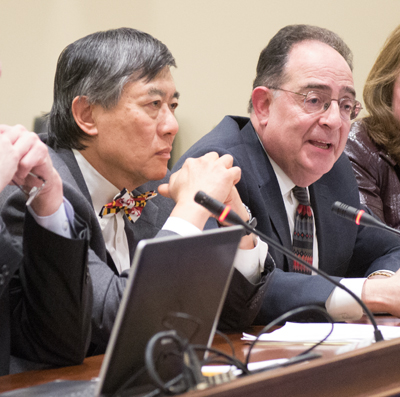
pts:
pixel 314 332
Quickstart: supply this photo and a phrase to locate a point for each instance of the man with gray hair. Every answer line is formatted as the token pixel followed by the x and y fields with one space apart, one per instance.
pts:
pixel 290 152
pixel 112 125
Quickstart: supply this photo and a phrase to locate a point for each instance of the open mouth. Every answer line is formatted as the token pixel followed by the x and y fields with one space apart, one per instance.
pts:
pixel 321 145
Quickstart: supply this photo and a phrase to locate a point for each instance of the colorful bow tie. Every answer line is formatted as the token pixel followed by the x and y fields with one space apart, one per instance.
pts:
pixel 130 204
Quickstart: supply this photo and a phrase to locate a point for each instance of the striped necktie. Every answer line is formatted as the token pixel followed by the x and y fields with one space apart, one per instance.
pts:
pixel 303 230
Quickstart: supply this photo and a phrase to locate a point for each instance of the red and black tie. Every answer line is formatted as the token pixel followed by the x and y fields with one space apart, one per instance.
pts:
pixel 303 230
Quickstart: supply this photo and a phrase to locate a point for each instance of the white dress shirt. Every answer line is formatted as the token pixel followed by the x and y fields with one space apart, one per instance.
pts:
pixel 249 262
pixel 112 226
pixel 340 305
pixel 59 222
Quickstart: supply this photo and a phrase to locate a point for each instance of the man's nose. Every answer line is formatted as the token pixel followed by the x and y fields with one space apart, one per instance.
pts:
pixel 169 124
pixel 332 116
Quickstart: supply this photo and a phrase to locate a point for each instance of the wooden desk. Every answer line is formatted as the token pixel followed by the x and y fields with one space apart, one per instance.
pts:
pixel 372 371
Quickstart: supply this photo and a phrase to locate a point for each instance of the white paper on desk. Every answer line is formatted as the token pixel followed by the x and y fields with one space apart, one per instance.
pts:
pixel 314 332
pixel 219 369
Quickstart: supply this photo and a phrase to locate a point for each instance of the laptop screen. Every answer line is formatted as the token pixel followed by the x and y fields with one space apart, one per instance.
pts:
pixel 169 276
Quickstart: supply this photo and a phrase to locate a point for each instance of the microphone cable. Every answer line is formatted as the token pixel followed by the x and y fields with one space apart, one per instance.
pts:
pixel 224 213
pixel 285 317
pixel 191 377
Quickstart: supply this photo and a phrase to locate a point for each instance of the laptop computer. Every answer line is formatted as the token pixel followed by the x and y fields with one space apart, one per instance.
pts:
pixel 169 276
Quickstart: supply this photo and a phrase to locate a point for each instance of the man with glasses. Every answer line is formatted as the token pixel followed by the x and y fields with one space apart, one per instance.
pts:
pixel 290 152
pixel 45 316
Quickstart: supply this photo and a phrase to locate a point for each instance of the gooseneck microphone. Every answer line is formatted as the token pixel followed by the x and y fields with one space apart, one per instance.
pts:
pixel 360 217
pixel 224 213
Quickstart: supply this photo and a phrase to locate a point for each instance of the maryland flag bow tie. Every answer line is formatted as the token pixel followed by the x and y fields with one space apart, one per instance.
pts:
pixel 127 202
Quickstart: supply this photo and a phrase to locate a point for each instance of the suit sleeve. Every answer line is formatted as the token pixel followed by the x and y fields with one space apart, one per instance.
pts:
pixel 11 256
pixel 288 291
pixel 101 295
pixel 51 296
pixel 371 252
pixel 244 299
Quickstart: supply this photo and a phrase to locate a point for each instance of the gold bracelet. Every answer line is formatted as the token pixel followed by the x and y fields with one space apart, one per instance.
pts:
pixel 384 273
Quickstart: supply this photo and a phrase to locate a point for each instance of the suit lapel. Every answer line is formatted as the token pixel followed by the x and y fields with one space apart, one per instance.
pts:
pixel 273 206
pixel 130 235
pixel 271 193
pixel 150 211
pixel 70 161
pixel 276 210
pixel 332 233
pixel 321 201
pixel 145 224
pixel 65 163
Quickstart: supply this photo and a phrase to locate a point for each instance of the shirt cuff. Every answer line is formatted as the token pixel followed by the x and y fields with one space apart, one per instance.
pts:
pixel 341 305
pixel 59 222
pixel 251 262
pixel 180 226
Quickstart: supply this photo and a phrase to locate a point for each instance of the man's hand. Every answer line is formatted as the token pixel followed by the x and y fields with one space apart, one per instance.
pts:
pixel 236 204
pixel 382 295
pixel 27 153
pixel 210 173
pixel 8 161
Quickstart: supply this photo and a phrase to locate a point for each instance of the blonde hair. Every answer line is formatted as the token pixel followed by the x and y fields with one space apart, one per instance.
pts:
pixel 382 125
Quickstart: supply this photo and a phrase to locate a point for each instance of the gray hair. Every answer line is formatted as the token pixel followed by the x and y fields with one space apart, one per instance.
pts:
pixel 274 57
pixel 98 67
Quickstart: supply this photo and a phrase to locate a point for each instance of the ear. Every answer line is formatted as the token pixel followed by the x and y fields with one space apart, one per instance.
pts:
pixel 82 112
pixel 261 98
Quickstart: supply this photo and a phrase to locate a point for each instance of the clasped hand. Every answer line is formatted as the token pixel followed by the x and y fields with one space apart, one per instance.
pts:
pixel 211 174
pixel 22 152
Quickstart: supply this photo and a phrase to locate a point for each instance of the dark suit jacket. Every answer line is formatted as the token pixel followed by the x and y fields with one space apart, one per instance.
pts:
pixel 10 258
pixel 46 310
pixel 243 299
pixel 108 285
pixel 345 249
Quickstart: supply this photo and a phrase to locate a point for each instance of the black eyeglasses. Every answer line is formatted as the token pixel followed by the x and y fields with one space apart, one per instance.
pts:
pixel 31 192
pixel 317 101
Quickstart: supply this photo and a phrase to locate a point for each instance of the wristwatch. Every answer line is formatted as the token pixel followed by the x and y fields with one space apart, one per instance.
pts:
pixel 252 222
pixel 381 273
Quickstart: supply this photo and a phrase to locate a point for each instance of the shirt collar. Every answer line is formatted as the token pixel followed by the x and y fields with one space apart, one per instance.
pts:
pixel 100 189
pixel 285 183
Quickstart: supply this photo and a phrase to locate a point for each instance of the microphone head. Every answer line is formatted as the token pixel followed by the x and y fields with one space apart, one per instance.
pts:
pixel 345 211
pixel 214 206
pixel 200 197
pixel 221 211
pixel 358 216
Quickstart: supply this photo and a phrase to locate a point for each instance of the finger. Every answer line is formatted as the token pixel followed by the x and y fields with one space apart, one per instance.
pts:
pixel 8 161
pixel 14 132
pixel 23 146
pixel 164 190
pixel 33 155
pixel 37 161
pixel 4 140
pixel 227 160
pixel 211 156
pixel 4 128
pixel 236 174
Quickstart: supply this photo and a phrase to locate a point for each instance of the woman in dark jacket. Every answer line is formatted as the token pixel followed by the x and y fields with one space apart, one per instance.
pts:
pixel 373 145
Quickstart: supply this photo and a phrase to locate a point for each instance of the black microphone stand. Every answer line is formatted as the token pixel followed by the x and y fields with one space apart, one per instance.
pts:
pixel 216 208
